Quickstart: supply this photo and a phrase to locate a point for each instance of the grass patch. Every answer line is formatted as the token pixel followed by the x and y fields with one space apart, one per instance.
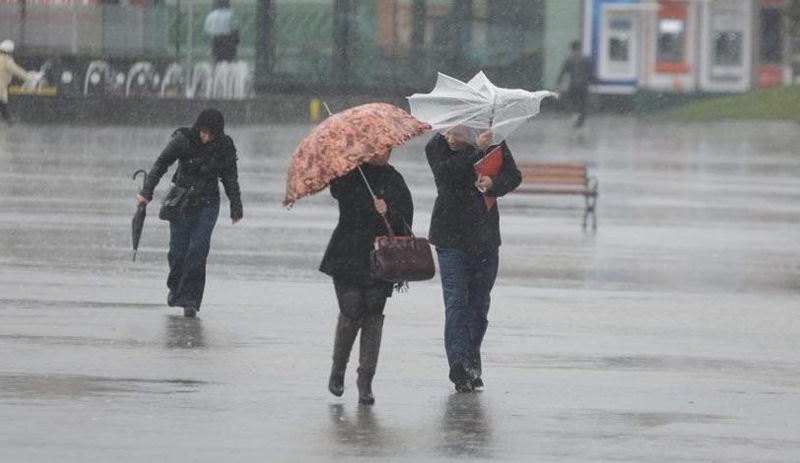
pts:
pixel 776 104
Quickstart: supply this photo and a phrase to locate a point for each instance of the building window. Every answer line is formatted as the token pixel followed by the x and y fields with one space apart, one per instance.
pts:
pixel 619 42
pixel 671 38
pixel 728 48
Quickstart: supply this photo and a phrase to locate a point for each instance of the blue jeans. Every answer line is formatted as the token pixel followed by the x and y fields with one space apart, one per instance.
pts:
pixel 467 281
pixel 189 244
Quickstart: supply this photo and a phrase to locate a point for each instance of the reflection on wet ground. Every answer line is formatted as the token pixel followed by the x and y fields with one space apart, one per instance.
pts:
pixel 669 335
pixel 359 433
pixel 466 431
pixel 184 332
pixel 72 386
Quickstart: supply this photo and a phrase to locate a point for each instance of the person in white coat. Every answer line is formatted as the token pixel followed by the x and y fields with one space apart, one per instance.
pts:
pixel 222 25
pixel 8 70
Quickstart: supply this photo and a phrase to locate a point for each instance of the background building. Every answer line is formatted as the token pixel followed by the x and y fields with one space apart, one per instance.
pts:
pixel 688 45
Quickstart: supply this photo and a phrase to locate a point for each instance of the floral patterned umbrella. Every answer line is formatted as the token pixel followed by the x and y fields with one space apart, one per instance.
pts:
pixel 344 141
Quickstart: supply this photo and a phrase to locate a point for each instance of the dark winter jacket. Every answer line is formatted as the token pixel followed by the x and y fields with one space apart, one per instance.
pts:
pixel 460 219
pixel 347 255
pixel 200 167
pixel 579 70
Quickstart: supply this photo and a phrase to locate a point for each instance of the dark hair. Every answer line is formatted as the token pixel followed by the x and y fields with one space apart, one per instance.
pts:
pixel 576 45
pixel 211 119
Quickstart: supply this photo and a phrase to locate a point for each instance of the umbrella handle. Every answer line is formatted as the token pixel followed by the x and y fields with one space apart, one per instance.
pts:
pixel 143 172
pixel 388 227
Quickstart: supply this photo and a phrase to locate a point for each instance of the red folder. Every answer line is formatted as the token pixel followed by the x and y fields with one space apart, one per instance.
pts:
pixel 490 165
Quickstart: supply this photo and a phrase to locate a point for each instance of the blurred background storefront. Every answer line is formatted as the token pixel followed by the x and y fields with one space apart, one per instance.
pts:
pixel 114 50
pixel 689 46
pixel 393 46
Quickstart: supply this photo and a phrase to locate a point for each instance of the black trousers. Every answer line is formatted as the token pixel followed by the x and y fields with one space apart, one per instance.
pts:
pixel 579 99
pixel 224 47
pixel 356 301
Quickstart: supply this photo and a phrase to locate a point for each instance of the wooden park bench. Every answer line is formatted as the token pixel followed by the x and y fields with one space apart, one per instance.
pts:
pixel 568 178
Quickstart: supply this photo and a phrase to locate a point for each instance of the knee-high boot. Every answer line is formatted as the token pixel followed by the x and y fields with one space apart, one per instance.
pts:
pixel 370 346
pixel 346 332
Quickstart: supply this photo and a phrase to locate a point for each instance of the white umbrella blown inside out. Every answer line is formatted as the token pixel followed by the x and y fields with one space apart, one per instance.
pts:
pixel 477 104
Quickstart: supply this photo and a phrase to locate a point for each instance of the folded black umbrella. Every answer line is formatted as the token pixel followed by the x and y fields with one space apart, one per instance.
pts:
pixel 137 223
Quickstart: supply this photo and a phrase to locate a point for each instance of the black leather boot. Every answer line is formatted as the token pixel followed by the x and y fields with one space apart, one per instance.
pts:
pixel 370 346
pixel 346 331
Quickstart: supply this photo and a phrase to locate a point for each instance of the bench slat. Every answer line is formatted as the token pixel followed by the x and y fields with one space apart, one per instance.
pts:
pixel 551 165
pixel 555 191
pixel 556 179
pixel 569 172
pixel 576 171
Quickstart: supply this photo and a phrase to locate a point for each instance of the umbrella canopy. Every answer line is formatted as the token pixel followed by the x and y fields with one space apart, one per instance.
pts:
pixel 344 141
pixel 478 104
pixel 137 223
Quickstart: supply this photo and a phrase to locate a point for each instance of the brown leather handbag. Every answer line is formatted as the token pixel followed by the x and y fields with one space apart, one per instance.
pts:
pixel 399 259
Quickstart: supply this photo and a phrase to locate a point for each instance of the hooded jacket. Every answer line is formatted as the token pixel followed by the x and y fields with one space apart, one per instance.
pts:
pixel 460 219
pixel 199 167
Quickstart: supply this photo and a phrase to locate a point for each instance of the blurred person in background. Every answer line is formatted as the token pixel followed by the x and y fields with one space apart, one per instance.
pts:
pixel 222 25
pixel 8 70
pixel 579 70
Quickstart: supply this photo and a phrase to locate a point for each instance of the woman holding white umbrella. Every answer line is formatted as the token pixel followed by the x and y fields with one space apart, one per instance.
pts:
pixel 466 234
pixel 473 119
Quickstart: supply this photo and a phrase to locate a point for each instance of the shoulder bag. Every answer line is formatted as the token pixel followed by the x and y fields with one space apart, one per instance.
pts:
pixel 175 202
pixel 399 259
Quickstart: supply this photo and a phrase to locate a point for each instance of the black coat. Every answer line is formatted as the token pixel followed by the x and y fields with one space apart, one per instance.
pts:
pixel 347 255
pixel 460 219
pixel 199 166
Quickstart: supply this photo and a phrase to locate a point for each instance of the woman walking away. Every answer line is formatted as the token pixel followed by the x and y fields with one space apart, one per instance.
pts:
pixel 361 298
pixel 205 155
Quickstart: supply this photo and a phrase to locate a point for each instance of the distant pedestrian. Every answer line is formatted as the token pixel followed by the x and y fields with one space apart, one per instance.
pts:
pixel 362 298
pixel 222 25
pixel 466 234
pixel 579 69
pixel 205 156
pixel 8 70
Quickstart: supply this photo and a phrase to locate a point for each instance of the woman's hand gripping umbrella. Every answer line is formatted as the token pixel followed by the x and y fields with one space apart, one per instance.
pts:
pixel 137 223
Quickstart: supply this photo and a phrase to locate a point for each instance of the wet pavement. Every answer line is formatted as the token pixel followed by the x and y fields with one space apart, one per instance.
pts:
pixel 669 335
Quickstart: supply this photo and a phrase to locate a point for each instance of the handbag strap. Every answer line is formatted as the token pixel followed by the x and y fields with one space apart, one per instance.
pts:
pixel 383 216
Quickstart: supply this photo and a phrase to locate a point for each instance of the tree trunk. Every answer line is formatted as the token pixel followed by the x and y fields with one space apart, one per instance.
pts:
pixel 418 14
pixel 265 43
pixel 460 34
pixel 341 34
